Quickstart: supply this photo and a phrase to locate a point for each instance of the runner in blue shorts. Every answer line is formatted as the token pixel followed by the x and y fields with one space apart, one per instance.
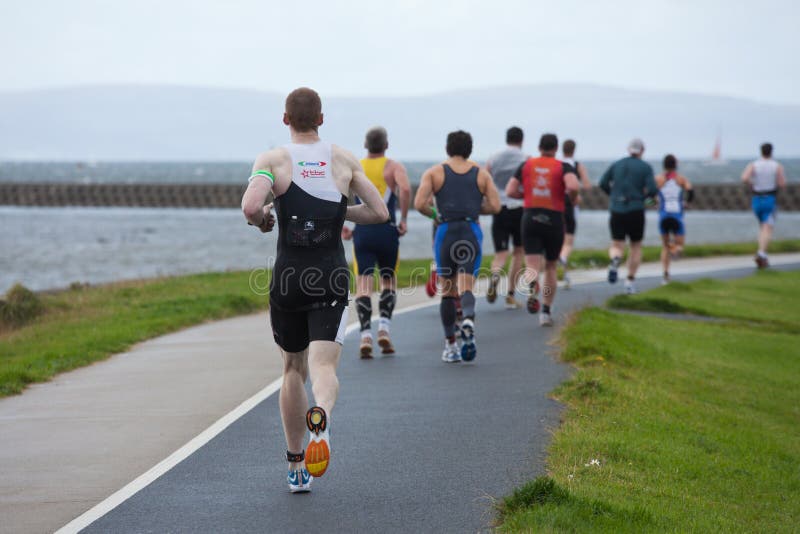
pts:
pixel 764 176
pixel 462 191
pixel 671 203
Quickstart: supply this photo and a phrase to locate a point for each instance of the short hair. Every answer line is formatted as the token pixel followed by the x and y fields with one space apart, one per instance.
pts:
pixel 376 140
pixel 548 142
pixel 514 136
pixel 766 150
pixel 568 148
pixel 459 143
pixel 670 162
pixel 303 107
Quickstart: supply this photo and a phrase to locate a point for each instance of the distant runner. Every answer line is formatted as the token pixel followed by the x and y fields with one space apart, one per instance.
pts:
pixel 543 183
pixel 671 203
pixel 506 225
pixel 462 191
pixel 310 181
pixel 764 176
pixel 570 208
pixel 379 243
pixel 629 183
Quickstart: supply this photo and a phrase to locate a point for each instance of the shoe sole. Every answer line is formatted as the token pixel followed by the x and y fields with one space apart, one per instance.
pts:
pixel 386 346
pixel 318 453
pixel 366 353
pixel 533 306
pixel 491 294
pixel 468 348
pixel 612 276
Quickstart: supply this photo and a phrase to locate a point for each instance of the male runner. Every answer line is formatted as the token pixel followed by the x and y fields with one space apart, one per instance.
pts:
pixel 764 176
pixel 462 191
pixel 379 243
pixel 570 208
pixel 628 182
pixel 506 224
pixel 671 203
pixel 543 183
pixel 310 181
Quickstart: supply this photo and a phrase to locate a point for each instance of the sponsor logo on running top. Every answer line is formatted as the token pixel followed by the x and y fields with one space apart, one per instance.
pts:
pixel 312 173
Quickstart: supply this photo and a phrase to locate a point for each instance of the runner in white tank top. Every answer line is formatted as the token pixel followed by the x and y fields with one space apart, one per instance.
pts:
pixel 764 176
pixel 310 181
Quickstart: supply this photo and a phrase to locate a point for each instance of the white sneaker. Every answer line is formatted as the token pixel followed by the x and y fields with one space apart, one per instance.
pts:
pixel 451 353
pixel 545 319
pixel 630 287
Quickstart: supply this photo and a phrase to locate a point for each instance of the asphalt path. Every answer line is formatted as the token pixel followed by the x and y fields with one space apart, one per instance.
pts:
pixel 417 445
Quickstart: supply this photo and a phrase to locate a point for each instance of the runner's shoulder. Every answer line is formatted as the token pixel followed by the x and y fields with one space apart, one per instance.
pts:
pixel 271 158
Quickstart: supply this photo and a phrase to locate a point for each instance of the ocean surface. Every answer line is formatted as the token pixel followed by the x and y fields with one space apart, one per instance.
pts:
pixel 237 172
pixel 46 248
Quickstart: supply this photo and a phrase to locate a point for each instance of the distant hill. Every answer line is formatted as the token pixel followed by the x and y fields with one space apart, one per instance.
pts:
pixel 191 123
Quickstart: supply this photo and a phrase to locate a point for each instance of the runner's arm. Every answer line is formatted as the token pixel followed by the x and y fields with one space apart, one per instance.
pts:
pixel 403 189
pixel 422 201
pixel 605 180
pixel 514 185
pixel 572 185
pixel 747 174
pixel 583 175
pixel 687 186
pixel 257 193
pixel 491 198
pixel 781 177
pixel 372 209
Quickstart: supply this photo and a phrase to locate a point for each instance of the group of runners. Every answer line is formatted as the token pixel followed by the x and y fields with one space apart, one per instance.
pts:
pixel 315 187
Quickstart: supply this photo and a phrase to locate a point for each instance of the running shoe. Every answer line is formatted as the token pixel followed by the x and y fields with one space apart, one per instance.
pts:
pixel 630 287
pixel 366 347
pixel 512 303
pixel 318 451
pixel 385 342
pixel 612 272
pixel 761 262
pixel 533 299
pixel 491 293
pixel 430 286
pixel 299 480
pixel 451 354
pixel 468 348
pixel 545 319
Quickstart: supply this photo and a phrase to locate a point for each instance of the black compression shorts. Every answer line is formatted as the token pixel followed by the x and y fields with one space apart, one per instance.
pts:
pixel 294 330
pixel 569 218
pixel 543 232
pixel 506 227
pixel 629 224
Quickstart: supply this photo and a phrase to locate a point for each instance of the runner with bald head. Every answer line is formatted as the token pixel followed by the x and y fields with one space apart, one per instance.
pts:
pixel 378 244
pixel 310 181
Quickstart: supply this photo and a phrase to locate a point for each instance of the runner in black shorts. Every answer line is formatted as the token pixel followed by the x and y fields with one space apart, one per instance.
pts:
pixel 629 183
pixel 506 225
pixel 310 181
pixel 570 208
pixel 543 183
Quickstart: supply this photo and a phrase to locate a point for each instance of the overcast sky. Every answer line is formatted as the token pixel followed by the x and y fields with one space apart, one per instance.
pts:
pixel 747 49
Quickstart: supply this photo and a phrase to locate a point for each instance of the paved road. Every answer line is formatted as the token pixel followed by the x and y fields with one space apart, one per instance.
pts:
pixel 418 445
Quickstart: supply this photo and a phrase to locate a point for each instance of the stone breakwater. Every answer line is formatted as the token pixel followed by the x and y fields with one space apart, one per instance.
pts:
pixel 714 197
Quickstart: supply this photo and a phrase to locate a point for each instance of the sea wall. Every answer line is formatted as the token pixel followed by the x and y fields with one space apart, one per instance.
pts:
pixel 720 197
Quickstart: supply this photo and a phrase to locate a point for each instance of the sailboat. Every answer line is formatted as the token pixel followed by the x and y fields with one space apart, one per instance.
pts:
pixel 716 154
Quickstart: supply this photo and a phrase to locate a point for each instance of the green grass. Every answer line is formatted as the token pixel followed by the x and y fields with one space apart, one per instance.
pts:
pixel 584 259
pixel 694 426
pixel 82 325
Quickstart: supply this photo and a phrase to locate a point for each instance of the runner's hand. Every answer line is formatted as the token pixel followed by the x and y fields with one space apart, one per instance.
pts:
pixel 269 220
pixel 347 233
pixel 402 228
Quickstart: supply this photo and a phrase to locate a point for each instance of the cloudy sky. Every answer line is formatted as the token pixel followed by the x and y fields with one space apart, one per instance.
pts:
pixel 747 49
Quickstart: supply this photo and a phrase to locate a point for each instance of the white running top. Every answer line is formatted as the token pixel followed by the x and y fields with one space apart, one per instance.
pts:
pixel 311 170
pixel 765 175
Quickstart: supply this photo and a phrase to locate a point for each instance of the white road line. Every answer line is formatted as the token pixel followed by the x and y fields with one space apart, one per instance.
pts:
pixel 141 482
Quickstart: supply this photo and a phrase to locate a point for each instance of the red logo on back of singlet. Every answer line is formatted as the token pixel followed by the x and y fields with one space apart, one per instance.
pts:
pixel 311 172
pixel 543 183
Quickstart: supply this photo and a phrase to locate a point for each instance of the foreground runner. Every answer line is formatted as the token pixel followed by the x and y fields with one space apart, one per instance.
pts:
pixel 506 224
pixel 764 176
pixel 628 182
pixel 571 208
pixel 379 243
pixel 671 187
pixel 543 183
pixel 310 180
pixel 462 191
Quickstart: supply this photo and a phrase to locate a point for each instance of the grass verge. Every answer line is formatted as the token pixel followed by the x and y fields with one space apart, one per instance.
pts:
pixel 81 325
pixel 691 427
